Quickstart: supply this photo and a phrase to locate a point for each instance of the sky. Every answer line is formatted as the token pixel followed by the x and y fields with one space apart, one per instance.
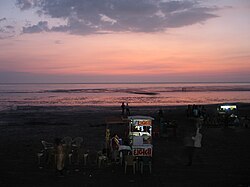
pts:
pixel 78 41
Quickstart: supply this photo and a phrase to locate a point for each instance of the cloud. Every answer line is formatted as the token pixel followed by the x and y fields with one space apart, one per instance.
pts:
pixel 2 19
pixel 26 4
pixel 58 42
pixel 40 27
pixel 6 30
pixel 96 16
pixel 9 27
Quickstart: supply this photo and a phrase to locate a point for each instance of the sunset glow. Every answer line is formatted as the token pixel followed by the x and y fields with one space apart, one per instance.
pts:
pixel 215 48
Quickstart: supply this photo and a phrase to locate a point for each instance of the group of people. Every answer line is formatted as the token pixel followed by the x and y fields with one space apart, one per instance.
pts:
pixel 196 111
pixel 125 109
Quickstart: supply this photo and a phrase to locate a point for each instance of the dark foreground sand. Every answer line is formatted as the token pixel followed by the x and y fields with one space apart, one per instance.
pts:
pixel 224 159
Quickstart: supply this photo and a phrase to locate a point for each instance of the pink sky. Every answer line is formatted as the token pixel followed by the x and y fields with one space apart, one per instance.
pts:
pixel 216 49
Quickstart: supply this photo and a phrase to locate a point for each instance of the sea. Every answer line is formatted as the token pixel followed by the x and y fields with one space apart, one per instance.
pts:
pixel 113 94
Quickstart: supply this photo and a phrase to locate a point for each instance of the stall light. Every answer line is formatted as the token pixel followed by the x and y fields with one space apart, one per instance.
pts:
pixel 227 107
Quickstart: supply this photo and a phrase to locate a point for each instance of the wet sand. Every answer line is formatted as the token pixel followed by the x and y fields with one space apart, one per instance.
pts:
pixel 224 159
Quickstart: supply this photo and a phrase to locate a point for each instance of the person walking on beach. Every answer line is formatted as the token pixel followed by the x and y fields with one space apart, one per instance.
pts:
pixel 160 115
pixel 192 144
pixel 189 147
pixel 127 110
pixel 123 108
pixel 197 140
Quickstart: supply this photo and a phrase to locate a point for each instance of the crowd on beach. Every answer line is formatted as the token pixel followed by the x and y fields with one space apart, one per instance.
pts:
pixel 196 111
pixel 192 140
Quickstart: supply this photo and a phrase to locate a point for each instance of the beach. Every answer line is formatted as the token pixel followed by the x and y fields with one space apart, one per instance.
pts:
pixel 224 159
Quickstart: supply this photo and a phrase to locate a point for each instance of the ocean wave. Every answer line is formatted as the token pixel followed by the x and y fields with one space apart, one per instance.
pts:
pixel 78 91
pixel 144 90
pixel 214 88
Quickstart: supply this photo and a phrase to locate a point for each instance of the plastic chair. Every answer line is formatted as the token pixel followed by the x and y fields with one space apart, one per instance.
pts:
pixel 101 159
pixel 39 155
pixel 122 154
pixel 146 161
pixel 76 145
pixel 46 145
pixel 48 150
pixel 129 161
pixel 77 142
pixel 67 140
pixel 85 158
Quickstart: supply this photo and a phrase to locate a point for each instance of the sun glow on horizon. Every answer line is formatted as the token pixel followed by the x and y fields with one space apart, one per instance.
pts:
pixel 206 50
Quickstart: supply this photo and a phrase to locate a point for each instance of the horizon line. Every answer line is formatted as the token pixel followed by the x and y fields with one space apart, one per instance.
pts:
pixel 146 82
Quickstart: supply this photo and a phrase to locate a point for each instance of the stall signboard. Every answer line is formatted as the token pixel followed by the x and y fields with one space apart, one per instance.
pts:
pixel 142 150
pixel 145 123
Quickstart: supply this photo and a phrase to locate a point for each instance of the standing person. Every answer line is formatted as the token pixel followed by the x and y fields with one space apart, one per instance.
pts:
pixel 189 147
pixel 192 144
pixel 60 156
pixel 159 129
pixel 127 110
pixel 199 122
pixel 114 145
pixel 197 141
pixel 195 111
pixel 123 108
pixel 160 115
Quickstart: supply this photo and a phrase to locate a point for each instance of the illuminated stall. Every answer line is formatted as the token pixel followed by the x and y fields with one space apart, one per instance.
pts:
pixel 227 108
pixel 140 135
pixel 228 114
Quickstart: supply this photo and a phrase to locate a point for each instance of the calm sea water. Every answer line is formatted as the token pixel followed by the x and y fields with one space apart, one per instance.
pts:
pixel 113 94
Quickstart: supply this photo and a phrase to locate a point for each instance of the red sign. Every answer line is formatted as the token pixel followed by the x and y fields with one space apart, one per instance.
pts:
pixel 145 123
pixel 142 151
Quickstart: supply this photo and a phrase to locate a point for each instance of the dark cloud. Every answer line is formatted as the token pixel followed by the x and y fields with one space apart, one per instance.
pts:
pixel 187 18
pixel 172 6
pixel 2 19
pixel 27 4
pixel 95 16
pixel 9 27
pixel 40 27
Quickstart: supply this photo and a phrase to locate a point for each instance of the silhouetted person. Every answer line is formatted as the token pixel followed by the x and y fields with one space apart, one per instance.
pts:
pixel 197 141
pixel 123 108
pixel 192 144
pixel 160 114
pixel 127 110
pixel 189 148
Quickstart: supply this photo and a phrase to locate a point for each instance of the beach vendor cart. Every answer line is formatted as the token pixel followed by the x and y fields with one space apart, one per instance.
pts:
pixel 140 135
pixel 227 109
pixel 135 141
pixel 228 114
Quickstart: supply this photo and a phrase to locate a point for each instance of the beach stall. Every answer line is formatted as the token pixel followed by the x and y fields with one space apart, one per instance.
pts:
pixel 227 109
pixel 140 135
pixel 228 114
